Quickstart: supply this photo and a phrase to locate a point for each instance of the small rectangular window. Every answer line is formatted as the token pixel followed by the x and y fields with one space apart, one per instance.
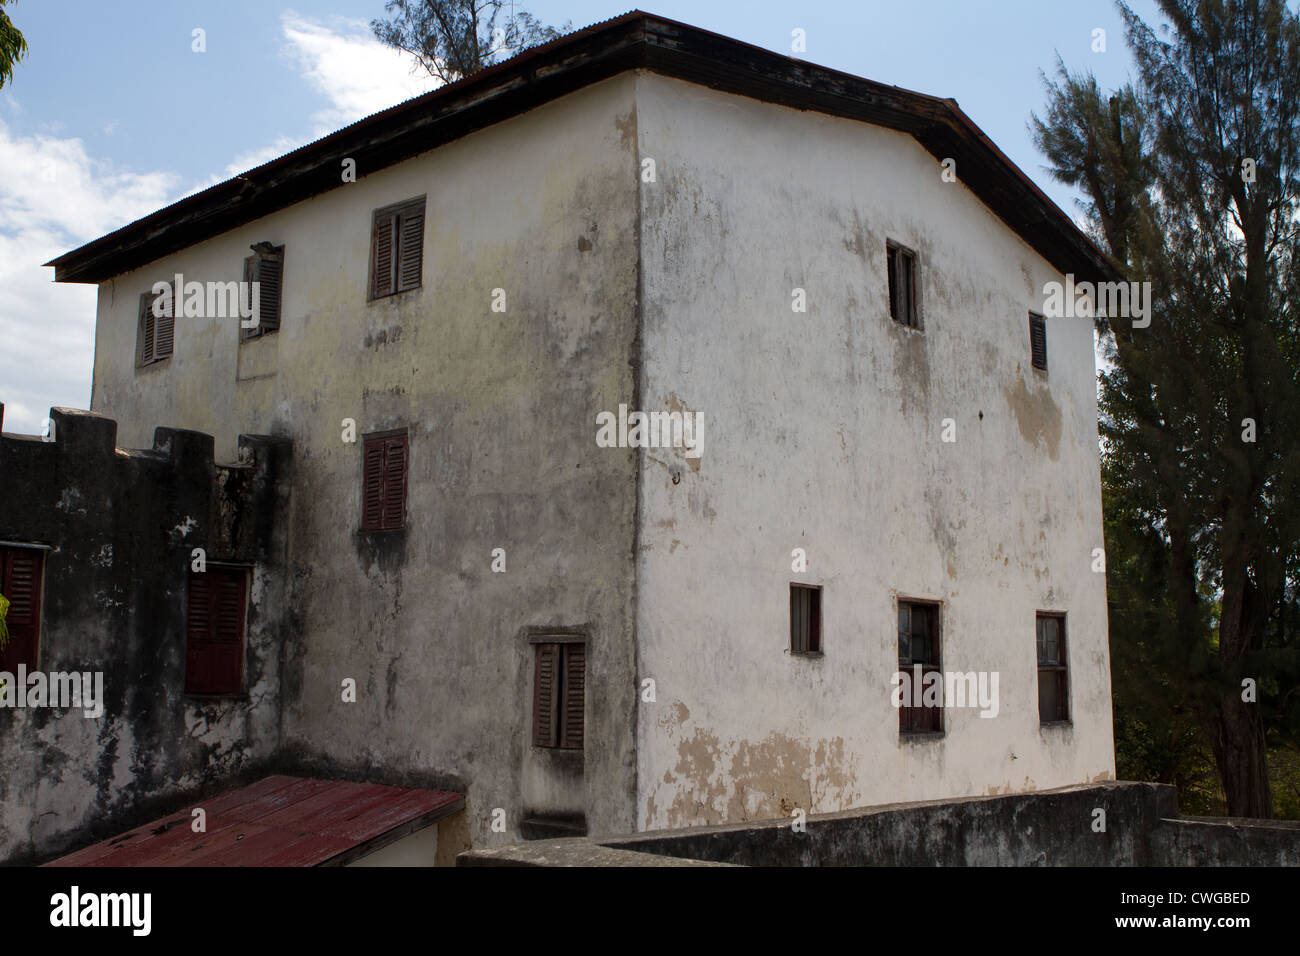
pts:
pixel 805 619
pixel 383 483
pixel 397 248
pixel 901 264
pixel 266 268
pixel 1053 669
pixel 155 333
pixel 918 647
pixel 215 615
pixel 1037 341
pixel 20 587
pixel 559 694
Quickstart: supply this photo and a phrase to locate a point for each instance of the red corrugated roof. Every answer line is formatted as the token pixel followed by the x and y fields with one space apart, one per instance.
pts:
pixel 278 821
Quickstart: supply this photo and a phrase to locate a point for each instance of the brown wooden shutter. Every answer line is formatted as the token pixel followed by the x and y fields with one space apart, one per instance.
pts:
pixel 411 247
pixel 270 272
pixel 1037 341
pixel 394 507
pixel 545 678
pixel 20 582
pixel 381 255
pixel 165 333
pixel 227 655
pixel 372 507
pixel 798 620
pixel 214 653
pixel 198 627
pixel 575 673
pixel 146 330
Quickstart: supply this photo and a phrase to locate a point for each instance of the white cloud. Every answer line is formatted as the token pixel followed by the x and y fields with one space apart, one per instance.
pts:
pixel 356 73
pixel 343 62
pixel 54 197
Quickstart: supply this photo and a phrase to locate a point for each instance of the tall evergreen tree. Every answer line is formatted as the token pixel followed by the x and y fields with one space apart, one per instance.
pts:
pixel 1191 183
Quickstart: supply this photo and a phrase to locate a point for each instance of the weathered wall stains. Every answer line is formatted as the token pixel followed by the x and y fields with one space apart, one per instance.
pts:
pixel 1037 415
pixel 825 432
pixel 500 410
pixel 715 782
pixel 120 527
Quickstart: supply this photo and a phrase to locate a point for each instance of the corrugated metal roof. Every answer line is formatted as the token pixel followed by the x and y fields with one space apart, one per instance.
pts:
pixel 635 40
pixel 278 821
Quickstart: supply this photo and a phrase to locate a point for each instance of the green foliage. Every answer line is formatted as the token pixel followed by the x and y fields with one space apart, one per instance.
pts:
pixel 12 46
pixel 1202 526
pixel 455 38
pixel 4 627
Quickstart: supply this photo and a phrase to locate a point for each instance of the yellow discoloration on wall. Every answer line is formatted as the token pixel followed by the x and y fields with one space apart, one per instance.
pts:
pixel 1037 415
pixel 715 781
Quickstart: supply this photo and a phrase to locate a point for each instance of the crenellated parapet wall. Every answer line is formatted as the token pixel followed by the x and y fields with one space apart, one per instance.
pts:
pixel 116 530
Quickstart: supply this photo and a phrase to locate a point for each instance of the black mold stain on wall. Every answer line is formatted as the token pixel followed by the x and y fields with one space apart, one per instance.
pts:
pixel 120 527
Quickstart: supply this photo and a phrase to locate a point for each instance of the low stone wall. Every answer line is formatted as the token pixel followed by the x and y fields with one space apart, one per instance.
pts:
pixel 1226 841
pixel 1047 828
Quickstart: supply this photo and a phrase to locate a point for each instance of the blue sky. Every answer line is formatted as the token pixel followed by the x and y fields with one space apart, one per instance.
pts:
pixel 112 114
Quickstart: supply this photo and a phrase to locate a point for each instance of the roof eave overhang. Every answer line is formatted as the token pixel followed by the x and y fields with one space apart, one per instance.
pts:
pixel 633 41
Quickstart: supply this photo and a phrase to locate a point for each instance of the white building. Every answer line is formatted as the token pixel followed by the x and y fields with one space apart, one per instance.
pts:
pixel 649 215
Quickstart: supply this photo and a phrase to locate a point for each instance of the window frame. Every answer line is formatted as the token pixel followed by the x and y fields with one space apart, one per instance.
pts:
pixel 253 266
pixel 379 520
pixel 395 282
pixel 242 574
pixel 812 644
pixel 37 553
pixel 149 330
pixel 564 696
pixel 1060 669
pixel 914 721
pixel 1037 325
pixel 896 254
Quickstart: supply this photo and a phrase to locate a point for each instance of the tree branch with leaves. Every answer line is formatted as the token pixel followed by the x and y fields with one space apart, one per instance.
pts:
pixel 452 39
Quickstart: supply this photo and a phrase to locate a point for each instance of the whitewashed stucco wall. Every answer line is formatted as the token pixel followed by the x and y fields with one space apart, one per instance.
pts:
pixel 823 432
pixel 499 408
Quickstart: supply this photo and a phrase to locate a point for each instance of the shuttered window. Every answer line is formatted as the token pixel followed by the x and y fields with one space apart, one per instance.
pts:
pixel 155 334
pixel 1038 341
pixel 805 619
pixel 559 694
pixel 267 270
pixel 1053 670
pixel 383 491
pixel 397 248
pixel 901 266
pixel 214 650
pixel 20 583
pixel 918 645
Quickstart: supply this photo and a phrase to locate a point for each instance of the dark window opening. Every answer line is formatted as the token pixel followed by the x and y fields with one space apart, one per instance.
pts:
pixel 397 248
pixel 20 583
pixel 918 645
pixel 1053 669
pixel 384 482
pixel 1038 341
pixel 559 688
pixel 805 619
pixel 214 623
pixel 155 334
pixel 266 268
pixel 902 285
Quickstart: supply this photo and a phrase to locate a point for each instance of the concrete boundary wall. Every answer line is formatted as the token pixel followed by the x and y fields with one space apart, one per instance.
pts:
pixel 1048 828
